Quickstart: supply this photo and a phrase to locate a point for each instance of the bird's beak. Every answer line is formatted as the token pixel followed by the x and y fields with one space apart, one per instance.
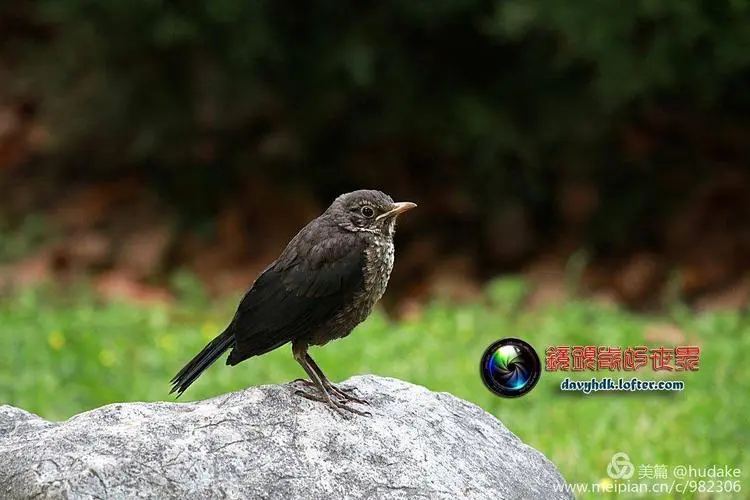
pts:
pixel 398 208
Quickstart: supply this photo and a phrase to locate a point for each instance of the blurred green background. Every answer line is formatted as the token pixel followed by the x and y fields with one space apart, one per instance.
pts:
pixel 582 173
pixel 61 355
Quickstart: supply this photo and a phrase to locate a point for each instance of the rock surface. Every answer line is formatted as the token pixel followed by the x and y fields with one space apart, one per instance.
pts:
pixel 265 442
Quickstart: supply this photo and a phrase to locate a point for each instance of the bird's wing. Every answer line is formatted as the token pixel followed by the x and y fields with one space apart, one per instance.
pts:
pixel 297 293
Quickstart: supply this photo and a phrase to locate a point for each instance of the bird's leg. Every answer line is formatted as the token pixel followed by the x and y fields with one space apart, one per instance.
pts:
pixel 300 354
pixel 341 392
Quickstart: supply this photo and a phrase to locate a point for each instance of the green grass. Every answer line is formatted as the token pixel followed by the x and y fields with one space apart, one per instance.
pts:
pixel 60 356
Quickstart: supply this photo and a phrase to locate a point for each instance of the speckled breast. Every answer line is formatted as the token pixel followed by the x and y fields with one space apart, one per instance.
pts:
pixel 378 266
pixel 379 257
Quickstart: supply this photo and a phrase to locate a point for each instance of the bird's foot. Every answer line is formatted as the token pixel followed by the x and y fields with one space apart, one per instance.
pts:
pixel 336 404
pixel 345 394
pixel 342 393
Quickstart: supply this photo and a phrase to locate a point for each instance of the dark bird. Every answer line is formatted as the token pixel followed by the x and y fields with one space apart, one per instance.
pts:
pixel 324 283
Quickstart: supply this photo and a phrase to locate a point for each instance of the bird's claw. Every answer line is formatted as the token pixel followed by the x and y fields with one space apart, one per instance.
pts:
pixel 344 389
pixel 336 404
pixel 342 393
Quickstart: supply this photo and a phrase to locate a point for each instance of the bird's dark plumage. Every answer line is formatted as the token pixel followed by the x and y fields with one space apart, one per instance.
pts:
pixel 323 284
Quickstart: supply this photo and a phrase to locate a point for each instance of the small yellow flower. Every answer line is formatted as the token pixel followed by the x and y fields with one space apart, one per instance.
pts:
pixel 56 340
pixel 605 485
pixel 208 330
pixel 106 357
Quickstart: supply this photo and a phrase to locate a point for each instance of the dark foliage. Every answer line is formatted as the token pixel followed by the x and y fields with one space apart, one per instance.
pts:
pixel 502 102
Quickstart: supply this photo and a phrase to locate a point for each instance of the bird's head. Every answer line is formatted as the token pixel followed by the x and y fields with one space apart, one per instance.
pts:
pixel 367 211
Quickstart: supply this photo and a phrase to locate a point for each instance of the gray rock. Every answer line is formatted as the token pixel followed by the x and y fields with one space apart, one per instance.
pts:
pixel 265 442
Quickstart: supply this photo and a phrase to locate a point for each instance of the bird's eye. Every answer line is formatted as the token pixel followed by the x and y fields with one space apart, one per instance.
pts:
pixel 367 211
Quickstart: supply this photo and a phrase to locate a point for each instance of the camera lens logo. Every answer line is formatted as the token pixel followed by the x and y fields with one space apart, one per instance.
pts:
pixel 510 368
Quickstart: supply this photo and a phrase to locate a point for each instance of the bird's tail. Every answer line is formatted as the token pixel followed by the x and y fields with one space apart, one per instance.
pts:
pixel 191 371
